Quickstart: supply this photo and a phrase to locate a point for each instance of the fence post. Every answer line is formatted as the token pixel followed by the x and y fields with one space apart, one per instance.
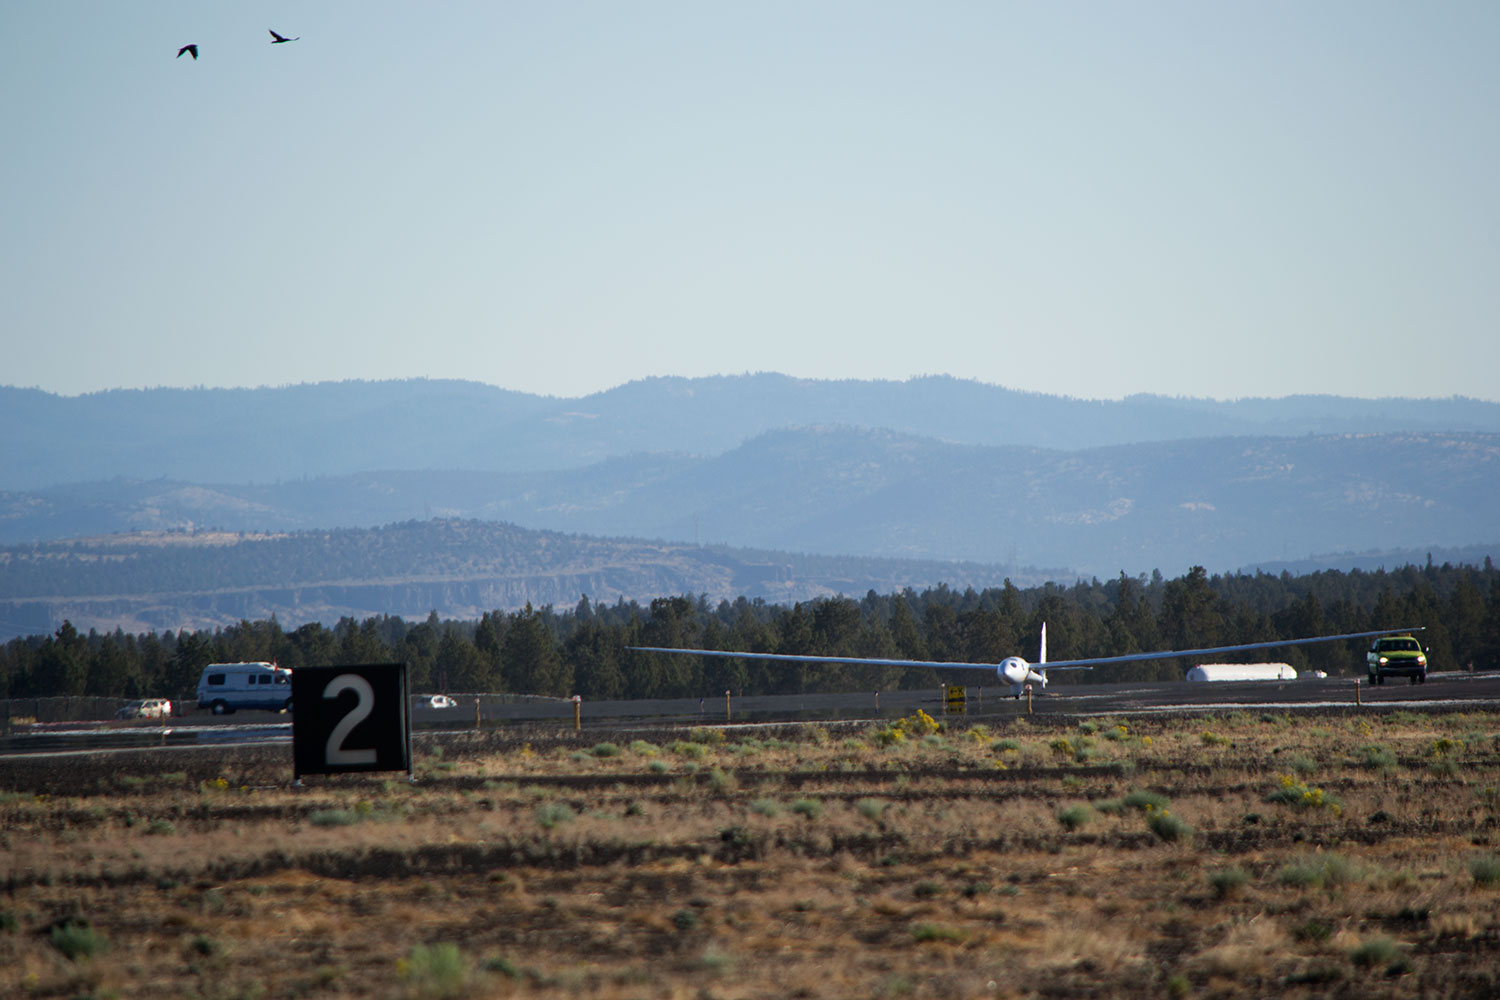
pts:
pixel 1028 699
pixel 1356 692
pixel 728 716
pixel 577 712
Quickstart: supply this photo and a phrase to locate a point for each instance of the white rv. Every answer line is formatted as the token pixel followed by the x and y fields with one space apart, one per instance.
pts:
pixel 225 687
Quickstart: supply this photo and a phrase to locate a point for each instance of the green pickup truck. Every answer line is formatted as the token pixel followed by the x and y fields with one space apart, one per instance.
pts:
pixel 1396 656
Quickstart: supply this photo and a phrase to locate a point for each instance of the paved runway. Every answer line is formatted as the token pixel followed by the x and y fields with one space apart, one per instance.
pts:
pixel 1443 691
pixel 1061 702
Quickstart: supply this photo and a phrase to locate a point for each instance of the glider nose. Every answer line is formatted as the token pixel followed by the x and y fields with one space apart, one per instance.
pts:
pixel 1014 670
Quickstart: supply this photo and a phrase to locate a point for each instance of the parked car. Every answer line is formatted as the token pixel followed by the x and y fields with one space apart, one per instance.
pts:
pixel 146 708
pixel 436 701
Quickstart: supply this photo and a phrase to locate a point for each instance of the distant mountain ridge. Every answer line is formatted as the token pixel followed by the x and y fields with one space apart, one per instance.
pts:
pixel 1220 502
pixel 925 475
pixel 270 435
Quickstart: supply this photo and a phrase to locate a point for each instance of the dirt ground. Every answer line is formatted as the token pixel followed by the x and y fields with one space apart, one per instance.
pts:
pixel 1241 856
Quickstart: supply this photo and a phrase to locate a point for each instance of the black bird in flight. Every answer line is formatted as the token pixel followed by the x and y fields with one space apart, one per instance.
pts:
pixel 191 50
pixel 278 39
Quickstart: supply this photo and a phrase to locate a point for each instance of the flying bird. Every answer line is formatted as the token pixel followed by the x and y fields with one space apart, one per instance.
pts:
pixel 278 39
pixel 191 50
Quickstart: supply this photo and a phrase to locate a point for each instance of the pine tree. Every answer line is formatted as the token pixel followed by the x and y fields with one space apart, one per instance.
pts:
pixel 530 659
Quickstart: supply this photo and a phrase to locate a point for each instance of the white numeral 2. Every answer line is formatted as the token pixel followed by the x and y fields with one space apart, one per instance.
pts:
pixel 336 754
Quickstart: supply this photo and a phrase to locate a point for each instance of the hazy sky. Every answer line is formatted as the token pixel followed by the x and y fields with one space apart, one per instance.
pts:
pixel 1200 198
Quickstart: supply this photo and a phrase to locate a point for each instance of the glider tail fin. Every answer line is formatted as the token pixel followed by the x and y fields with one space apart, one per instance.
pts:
pixel 1038 671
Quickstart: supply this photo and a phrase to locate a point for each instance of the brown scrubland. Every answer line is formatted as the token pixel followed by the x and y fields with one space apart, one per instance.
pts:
pixel 1243 855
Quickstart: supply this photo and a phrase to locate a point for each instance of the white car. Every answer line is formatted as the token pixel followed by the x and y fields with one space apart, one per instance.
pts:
pixel 436 701
pixel 146 708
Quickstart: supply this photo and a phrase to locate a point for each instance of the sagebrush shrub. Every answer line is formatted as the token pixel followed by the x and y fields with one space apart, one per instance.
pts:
pixel 1292 791
pixel 1074 817
pixel 1377 757
pixel 1376 951
pixel 1167 825
pixel 437 971
pixel 1485 870
pixel 1142 799
pixel 551 814
pixel 811 808
pixel 1319 870
pixel 77 940
pixel 1226 881
pixel 334 817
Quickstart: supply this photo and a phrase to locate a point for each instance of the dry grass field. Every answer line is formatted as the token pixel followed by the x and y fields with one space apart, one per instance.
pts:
pixel 1239 856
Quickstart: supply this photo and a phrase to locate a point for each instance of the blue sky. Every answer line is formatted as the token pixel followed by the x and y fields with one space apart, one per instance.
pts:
pixel 1096 199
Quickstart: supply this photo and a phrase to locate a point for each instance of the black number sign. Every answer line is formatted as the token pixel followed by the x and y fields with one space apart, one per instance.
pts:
pixel 350 719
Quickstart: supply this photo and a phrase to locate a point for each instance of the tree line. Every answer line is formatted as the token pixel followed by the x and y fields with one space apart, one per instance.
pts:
pixel 583 650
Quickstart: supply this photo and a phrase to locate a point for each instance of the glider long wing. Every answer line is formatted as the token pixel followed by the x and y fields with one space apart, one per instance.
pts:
pixel 793 658
pixel 1082 664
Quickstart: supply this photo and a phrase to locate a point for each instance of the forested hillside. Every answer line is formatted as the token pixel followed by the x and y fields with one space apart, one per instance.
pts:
pixel 582 649
pixel 172 580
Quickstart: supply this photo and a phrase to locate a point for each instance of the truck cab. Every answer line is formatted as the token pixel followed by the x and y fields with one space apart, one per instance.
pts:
pixel 1396 656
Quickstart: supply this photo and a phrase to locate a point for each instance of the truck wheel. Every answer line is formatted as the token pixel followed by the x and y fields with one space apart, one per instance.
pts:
pixel 1422 677
pixel 219 708
pixel 287 707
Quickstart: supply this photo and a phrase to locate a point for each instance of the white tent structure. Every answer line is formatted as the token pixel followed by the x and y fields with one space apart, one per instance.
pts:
pixel 1242 672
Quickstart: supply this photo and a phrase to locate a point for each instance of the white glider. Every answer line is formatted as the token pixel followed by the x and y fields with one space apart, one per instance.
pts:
pixel 1017 672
